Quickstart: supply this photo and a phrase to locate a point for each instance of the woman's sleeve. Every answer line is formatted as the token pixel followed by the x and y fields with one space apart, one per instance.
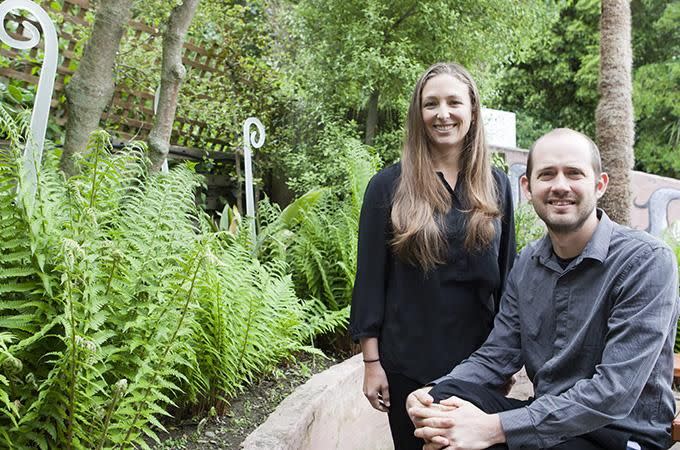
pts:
pixel 368 296
pixel 507 252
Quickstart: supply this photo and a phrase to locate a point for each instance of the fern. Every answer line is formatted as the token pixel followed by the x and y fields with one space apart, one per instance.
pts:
pixel 249 319
pixel 120 299
pixel 323 254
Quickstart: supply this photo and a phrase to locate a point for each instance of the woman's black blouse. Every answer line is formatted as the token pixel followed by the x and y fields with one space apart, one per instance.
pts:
pixel 427 323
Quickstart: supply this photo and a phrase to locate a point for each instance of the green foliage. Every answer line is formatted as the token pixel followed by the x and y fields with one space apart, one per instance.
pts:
pixel 319 235
pixel 340 53
pixel 118 300
pixel 672 238
pixel 656 45
pixel 249 319
pixel 498 160
pixel 528 227
pixel 556 85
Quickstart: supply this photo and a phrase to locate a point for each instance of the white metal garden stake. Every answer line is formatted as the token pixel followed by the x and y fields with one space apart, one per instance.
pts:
pixel 41 107
pixel 256 139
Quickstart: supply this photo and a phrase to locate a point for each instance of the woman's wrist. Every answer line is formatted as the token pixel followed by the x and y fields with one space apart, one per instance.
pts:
pixel 371 360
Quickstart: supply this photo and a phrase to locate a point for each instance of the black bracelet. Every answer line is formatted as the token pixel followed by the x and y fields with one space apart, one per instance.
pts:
pixel 371 360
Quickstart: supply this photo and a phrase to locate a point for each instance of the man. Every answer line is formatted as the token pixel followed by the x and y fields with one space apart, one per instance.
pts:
pixel 590 310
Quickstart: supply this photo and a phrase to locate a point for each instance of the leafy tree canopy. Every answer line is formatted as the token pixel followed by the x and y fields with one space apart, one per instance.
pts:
pixel 351 48
pixel 339 56
pixel 556 85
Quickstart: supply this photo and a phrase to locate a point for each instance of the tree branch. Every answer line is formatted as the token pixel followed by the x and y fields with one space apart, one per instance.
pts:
pixel 409 12
pixel 92 86
pixel 172 74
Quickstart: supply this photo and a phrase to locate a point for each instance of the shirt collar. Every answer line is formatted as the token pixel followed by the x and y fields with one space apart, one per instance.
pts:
pixel 597 247
pixel 457 191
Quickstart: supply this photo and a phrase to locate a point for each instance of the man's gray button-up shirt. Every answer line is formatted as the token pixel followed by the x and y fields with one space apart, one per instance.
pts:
pixel 596 339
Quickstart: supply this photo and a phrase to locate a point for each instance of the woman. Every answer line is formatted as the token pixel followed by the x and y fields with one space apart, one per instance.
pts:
pixel 436 240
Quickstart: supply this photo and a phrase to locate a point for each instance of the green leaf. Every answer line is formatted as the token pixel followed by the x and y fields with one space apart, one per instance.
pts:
pixel 15 93
pixel 294 213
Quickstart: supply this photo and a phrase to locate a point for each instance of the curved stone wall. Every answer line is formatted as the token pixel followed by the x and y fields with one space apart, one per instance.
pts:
pixel 330 412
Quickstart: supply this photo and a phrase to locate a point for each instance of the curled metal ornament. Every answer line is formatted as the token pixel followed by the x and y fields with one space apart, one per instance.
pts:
pixel 41 107
pixel 256 139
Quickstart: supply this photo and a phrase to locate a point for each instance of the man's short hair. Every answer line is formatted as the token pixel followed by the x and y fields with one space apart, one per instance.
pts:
pixel 594 151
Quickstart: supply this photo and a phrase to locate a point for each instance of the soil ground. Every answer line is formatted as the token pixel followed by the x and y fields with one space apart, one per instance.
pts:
pixel 247 411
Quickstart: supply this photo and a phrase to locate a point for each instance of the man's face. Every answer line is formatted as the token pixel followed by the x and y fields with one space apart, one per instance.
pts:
pixel 564 188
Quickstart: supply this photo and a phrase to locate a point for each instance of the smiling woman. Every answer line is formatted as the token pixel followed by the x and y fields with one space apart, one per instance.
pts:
pixel 446 116
pixel 436 240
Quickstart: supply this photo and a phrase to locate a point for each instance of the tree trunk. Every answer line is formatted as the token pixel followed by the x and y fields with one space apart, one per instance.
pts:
pixel 92 85
pixel 614 114
pixel 172 74
pixel 372 117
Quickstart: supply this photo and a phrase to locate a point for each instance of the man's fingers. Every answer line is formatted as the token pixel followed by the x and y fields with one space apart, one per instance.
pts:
pixel 434 446
pixel 453 401
pixel 418 413
pixel 423 397
pixel 428 433
pixel 441 441
pixel 437 422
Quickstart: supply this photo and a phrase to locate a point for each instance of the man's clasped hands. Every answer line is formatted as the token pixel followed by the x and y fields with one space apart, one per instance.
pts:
pixel 452 423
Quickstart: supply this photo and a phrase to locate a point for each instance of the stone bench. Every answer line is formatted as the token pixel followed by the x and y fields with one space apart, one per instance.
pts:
pixel 330 412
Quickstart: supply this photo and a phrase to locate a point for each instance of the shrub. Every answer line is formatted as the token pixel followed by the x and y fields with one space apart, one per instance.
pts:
pixel 528 227
pixel 672 238
pixel 320 243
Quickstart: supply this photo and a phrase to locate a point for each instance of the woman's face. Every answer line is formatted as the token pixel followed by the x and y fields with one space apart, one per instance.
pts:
pixel 447 112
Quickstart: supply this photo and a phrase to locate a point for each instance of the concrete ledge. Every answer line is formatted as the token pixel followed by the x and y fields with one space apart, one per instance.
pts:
pixel 328 412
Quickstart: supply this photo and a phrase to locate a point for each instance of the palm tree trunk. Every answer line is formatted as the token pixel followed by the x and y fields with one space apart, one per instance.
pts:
pixel 614 114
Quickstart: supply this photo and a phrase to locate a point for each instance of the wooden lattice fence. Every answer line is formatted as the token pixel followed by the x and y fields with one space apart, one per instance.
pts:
pixel 130 113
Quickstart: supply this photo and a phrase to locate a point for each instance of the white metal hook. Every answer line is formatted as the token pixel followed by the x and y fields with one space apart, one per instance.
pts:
pixel 256 139
pixel 41 107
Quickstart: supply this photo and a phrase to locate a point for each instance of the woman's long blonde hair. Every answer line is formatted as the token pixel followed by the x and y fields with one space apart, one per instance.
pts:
pixel 421 200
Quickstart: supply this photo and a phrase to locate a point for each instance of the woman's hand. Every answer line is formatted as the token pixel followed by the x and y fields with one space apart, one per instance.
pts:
pixel 376 386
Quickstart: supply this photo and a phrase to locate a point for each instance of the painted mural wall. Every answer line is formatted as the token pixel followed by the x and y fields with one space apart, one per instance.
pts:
pixel 656 200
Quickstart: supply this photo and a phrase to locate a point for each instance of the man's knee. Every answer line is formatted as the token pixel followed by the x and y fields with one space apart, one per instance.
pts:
pixel 487 399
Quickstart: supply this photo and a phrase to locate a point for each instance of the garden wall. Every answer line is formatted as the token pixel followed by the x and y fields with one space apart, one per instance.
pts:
pixel 656 200
pixel 329 412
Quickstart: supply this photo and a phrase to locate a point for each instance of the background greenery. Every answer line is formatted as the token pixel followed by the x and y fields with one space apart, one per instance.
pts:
pixel 556 85
pixel 122 301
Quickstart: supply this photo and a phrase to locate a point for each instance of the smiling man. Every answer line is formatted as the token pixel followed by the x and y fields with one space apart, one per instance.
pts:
pixel 590 310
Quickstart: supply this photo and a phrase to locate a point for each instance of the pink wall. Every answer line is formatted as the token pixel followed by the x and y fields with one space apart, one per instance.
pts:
pixel 656 200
